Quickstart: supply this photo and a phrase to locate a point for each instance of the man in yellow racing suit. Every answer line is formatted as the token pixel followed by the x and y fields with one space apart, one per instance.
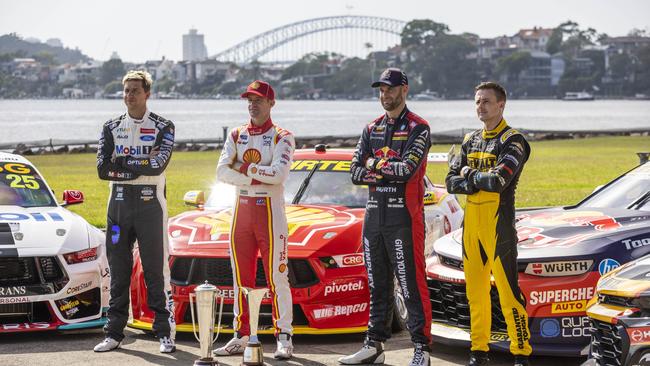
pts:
pixel 487 171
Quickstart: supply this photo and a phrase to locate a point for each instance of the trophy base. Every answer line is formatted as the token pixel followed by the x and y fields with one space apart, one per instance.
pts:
pixel 206 362
pixel 253 355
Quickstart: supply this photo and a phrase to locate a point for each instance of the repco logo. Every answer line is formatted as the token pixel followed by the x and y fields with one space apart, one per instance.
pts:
pixel 353 260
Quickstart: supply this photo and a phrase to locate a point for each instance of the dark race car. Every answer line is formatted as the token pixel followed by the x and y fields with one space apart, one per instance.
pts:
pixel 563 251
pixel 325 215
pixel 620 315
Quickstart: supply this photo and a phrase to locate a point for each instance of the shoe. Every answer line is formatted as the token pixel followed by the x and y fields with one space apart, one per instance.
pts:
pixel 421 356
pixel 108 344
pixel 285 347
pixel 478 358
pixel 167 345
pixel 234 346
pixel 372 352
pixel 521 361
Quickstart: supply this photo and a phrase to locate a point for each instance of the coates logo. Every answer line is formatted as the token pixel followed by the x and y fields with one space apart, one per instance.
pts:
pixel 639 335
pixel 556 269
pixel 339 310
pixel 348 260
pixel 334 288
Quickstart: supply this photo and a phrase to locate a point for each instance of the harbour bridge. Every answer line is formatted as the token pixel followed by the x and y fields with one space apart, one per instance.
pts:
pixel 350 35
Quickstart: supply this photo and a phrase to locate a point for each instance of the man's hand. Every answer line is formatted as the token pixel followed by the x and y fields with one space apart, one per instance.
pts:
pixel 154 152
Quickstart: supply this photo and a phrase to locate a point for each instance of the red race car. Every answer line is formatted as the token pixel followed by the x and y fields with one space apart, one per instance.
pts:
pixel 326 272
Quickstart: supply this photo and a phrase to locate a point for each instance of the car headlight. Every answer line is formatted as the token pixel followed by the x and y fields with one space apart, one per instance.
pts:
pixel 81 256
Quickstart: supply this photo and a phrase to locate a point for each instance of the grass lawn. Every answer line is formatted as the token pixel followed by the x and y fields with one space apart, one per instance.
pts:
pixel 559 172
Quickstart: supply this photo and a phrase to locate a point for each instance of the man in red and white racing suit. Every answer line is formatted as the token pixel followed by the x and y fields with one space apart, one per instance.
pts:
pixel 256 158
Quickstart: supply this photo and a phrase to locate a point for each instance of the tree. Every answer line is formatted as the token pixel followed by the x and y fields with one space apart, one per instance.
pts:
pixel 509 67
pixel 418 31
pixel 112 69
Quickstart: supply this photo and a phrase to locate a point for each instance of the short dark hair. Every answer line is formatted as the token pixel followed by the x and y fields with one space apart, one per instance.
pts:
pixel 499 91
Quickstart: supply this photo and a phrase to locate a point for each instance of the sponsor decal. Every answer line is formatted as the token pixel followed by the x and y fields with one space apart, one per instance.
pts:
pixel 13 300
pixel 339 310
pixel 138 162
pixel 349 260
pixel 386 153
pixel 79 288
pixel 499 337
pixel 576 327
pixel 633 244
pixel 21 326
pixel 266 140
pixel 252 156
pixel 568 307
pixel 549 328
pixel 147 138
pixel 147 130
pixel 555 269
pixel 115 234
pixel 169 136
pixel 562 295
pixel 118 137
pixel 69 305
pixel 386 189
pixel 639 335
pixel 15 168
pixel 521 327
pixel 282 268
pixel 607 265
pixel 13 291
pixel 401 268
pixel 260 202
pixel 8 216
pixel 322 165
pixel 132 150
pixel 123 130
pixel 335 288
pixel 482 161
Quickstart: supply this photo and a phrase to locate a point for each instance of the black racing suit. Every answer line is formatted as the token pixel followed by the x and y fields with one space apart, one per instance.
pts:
pixel 133 155
pixel 491 162
pixel 391 159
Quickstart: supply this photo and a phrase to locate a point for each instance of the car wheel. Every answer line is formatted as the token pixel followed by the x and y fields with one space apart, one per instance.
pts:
pixel 400 314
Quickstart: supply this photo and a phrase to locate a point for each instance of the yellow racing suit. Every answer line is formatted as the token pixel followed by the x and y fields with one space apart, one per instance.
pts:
pixel 487 171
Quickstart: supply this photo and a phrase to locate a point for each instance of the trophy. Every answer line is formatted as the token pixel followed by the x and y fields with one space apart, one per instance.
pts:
pixel 253 353
pixel 205 297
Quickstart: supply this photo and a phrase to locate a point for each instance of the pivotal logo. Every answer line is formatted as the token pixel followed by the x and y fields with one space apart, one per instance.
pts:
pixel 334 288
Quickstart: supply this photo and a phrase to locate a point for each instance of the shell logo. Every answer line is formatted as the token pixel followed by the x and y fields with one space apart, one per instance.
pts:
pixel 254 85
pixel 219 223
pixel 252 156
pixel 298 217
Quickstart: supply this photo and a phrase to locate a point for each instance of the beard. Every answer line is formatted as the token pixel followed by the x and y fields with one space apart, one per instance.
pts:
pixel 392 105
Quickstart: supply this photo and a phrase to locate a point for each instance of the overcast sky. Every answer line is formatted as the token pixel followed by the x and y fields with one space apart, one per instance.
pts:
pixel 142 30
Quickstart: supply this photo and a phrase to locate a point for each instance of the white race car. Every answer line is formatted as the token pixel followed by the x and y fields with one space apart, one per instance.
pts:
pixel 53 268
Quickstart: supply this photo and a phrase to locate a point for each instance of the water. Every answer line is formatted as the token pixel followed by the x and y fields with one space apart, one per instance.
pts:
pixel 31 120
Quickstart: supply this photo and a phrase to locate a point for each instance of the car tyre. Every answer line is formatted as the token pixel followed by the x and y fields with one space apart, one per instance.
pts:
pixel 400 313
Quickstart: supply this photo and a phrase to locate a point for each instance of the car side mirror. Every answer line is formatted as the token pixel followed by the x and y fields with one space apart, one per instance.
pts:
pixel 430 198
pixel 194 198
pixel 72 197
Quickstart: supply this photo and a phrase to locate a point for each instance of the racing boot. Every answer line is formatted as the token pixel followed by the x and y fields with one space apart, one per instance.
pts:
pixel 420 355
pixel 234 346
pixel 521 360
pixel 108 344
pixel 372 352
pixel 285 347
pixel 167 345
pixel 478 358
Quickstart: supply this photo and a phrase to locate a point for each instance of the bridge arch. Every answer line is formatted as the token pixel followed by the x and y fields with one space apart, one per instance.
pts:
pixel 263 43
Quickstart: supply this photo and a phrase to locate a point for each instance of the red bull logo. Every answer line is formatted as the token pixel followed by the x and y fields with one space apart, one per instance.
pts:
pixel 386 153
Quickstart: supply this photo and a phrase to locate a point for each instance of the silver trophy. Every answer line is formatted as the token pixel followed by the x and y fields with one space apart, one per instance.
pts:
pixel 253 353
pixel 205 297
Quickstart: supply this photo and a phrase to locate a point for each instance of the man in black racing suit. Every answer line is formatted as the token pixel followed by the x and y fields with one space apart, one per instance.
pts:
pixel 391 159
pixel 487 171
pixel 134 151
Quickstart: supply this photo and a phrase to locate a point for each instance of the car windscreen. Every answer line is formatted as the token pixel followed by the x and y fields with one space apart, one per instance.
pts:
pixel 20 185
pixel 627 192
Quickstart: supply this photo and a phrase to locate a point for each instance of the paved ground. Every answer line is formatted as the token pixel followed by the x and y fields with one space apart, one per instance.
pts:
pixel 140 348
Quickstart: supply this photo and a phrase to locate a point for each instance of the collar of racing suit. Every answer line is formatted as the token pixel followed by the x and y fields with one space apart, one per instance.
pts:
pixel 399 118
pixel 258 130
pixel 138 121
pixel 493 133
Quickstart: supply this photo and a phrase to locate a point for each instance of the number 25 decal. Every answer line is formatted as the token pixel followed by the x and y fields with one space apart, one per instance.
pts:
pixel 23 181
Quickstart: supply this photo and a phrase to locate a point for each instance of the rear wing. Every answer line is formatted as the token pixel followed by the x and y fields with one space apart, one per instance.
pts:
pixel 438 157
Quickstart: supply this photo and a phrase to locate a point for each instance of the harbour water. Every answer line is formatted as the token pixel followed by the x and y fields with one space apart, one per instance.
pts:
pixel 32 120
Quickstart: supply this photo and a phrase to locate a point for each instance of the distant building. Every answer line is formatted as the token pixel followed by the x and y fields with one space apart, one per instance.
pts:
pixel 54 42
pixel 194 47
pixel 533 39
pixel 627 44
pixel 539 70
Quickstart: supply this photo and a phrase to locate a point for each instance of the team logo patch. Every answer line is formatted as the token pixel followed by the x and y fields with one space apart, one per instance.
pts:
pixel 282 268
pixel 252 156
pixel 115 234
pixel 147 130
pixel 147 138
pixel 254 85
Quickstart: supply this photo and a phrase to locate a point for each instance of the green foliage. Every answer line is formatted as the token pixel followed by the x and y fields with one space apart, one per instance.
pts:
pixel 559 172
pixel 418 32
pixel 112 70
pixel 511 66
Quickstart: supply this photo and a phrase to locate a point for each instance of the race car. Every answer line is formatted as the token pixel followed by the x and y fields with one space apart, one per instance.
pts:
pixel 563 251
pixel 620 315
pixel 53 269
pixel 326 270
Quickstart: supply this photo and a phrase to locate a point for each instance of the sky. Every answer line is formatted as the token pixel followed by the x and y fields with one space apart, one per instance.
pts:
pixel 140 30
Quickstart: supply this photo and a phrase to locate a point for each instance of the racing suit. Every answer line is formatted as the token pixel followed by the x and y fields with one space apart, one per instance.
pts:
pixel 492 162
pixel 133 155
pixel 391 159
pixel 256 160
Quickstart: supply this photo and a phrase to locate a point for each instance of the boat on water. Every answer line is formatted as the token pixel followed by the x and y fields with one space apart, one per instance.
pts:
pixel 578 96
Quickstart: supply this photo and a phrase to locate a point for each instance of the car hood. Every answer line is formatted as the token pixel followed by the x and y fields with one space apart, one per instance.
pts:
pixel 557 232
pixel 630 280
pixel 326 229
pixel 42 231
